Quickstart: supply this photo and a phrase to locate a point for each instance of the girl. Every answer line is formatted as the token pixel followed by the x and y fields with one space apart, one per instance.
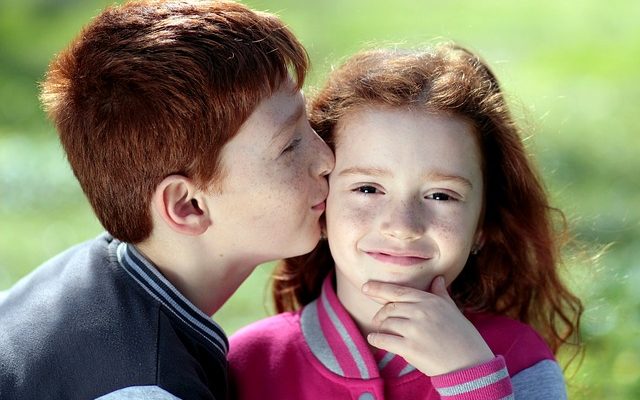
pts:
pixel 441 252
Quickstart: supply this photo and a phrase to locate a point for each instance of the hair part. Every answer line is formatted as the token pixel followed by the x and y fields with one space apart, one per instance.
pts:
pixel 516 272
pixel 154 88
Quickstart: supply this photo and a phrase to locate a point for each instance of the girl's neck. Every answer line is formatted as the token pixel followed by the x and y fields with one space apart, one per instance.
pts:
pixel 360 307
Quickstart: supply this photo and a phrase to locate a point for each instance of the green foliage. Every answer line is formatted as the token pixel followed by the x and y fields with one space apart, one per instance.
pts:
pixel 569 67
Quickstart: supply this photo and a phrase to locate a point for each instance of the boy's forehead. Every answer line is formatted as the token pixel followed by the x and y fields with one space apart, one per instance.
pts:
pixel 274 117
pixel 283 107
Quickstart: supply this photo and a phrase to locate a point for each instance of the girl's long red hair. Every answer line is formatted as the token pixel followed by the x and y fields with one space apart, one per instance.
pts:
pixel 516 273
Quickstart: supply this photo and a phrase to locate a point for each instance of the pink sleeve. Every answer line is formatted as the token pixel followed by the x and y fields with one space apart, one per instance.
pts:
pixel 481 382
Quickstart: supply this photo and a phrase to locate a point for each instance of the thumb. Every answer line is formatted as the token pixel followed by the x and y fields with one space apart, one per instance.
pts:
pixel 439 288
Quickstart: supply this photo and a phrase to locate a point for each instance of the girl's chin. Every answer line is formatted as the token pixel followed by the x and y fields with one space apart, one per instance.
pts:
pixel 420 283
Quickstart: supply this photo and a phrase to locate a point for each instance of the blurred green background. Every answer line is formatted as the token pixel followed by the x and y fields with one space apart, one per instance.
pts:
pixel 572 73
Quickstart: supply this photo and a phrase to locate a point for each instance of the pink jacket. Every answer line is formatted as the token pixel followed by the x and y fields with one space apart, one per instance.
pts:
pixel 319 353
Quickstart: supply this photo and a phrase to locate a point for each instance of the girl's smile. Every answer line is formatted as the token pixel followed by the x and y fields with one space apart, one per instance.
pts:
pixel 405 200
pixel 398 257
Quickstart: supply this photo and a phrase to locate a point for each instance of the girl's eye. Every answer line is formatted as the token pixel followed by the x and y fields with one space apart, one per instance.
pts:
pixel 292 146
pixel 440 196
pixel 367 189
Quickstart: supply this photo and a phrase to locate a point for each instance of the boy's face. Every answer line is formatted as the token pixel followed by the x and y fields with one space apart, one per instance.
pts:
pixel 406 196
pixel 274 184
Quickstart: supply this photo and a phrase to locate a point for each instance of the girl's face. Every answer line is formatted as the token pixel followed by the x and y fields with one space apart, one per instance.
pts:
pixel 405 198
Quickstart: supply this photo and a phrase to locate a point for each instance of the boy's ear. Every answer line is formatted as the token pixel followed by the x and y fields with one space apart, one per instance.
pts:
pixel 179 204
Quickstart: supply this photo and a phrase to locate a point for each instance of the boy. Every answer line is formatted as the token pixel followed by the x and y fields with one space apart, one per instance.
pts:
pixel 190 139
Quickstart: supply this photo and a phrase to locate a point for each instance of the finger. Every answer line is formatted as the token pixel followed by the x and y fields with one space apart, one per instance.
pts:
pixel 396 310
pixel 402 327
pixel 378 300
pixel 438 286
pixel 384 292
pixel 391 343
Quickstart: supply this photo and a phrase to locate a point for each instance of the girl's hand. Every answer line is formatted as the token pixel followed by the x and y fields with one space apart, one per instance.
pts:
pixel 425 328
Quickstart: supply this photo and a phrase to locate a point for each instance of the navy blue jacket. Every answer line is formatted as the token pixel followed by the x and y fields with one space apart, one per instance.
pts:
pixel 99 318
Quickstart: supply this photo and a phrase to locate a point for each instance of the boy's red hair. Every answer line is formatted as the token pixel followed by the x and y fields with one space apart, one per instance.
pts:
pixel 154 88
pixel 515 273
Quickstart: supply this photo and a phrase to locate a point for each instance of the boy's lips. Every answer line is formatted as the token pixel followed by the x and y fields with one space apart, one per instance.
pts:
pixel 319 207
pixel 321 204
pixel 398 258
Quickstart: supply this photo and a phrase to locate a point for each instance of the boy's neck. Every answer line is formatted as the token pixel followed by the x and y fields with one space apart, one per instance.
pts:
pixel 206 281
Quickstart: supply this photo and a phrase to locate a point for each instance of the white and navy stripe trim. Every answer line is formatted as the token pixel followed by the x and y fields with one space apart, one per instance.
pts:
pixel 151 280
pixel 336 342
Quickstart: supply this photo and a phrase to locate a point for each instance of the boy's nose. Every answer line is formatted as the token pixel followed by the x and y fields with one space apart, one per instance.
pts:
pixel 324 158
pixel 403 221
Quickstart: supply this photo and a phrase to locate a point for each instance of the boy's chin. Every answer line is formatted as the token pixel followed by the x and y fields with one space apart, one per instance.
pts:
pixel 307 246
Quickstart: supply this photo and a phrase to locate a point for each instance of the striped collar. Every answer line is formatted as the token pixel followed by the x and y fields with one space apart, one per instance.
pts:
pixel 154 283
pixel 335 340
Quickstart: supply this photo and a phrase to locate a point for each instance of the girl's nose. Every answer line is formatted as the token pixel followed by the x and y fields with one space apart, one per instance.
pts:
pixel 403 221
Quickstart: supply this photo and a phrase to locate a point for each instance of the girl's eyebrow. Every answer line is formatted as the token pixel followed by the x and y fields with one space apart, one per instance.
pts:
pixel 369 171
pixel 441 176
pixel 430 176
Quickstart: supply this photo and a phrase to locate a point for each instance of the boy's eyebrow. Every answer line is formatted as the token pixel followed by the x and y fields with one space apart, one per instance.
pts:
pixel 290 120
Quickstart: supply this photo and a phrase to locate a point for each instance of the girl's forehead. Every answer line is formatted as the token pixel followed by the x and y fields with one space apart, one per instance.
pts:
pixel 394 121
pixel 388 137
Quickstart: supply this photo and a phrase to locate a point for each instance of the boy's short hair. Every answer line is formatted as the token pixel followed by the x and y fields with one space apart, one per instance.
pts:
pixel 154 88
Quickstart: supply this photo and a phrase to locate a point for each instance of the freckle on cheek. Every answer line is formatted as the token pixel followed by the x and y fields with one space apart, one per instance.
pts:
pixel 446 229
pixel 356 214
pixel 296 180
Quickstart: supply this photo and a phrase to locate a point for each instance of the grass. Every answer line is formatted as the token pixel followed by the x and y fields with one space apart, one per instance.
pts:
pixel 571 72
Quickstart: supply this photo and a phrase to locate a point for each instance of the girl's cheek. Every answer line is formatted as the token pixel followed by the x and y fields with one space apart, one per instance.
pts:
pixel 359 212
pixel 456 232
pixel 346 215
pixel 446 228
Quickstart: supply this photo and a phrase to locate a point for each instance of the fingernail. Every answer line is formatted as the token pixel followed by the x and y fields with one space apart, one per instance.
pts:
pixel 365 288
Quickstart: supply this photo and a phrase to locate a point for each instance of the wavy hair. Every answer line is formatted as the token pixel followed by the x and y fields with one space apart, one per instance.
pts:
pixel 516 273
